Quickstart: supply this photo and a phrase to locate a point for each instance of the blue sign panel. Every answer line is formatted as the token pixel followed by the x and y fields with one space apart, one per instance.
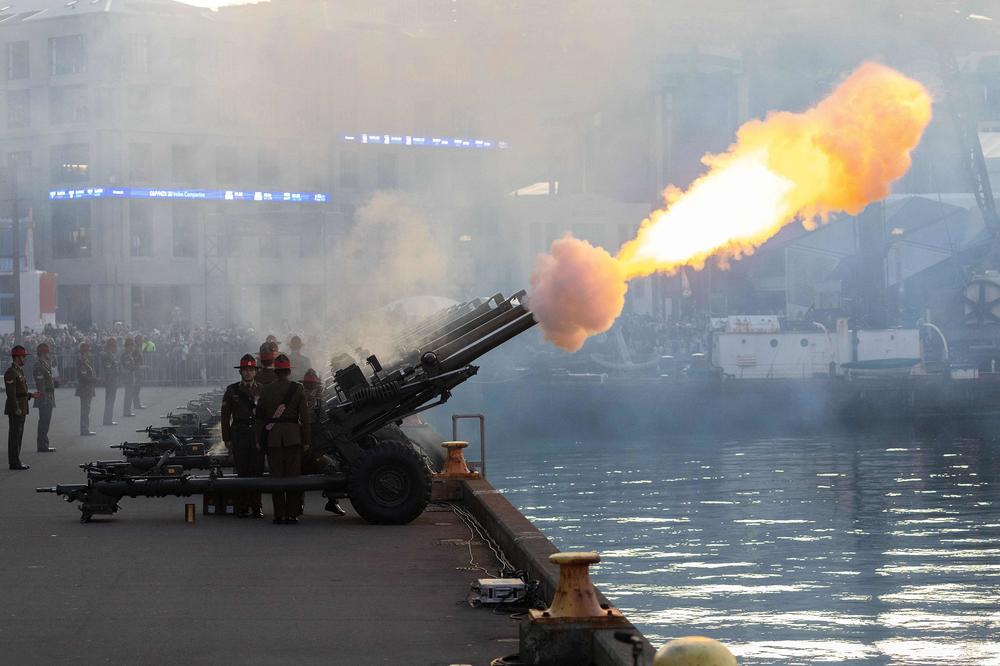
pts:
pixel 205 195
pixel 424 141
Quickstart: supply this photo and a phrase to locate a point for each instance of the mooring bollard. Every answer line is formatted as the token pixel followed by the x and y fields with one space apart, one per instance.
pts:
pixel 694 651
pixel 563 634
pixel 454 465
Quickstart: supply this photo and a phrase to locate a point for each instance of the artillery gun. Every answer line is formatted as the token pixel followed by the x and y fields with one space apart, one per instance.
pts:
pixel 385 475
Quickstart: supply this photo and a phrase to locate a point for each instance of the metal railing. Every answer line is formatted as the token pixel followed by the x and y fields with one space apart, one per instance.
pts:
pixel 475 465
pixel 197 368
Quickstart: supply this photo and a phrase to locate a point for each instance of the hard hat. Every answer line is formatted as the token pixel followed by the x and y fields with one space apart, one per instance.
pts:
pixel 295 342
pixel 268 351
pixel 42 348
pixel 281 362
pixel 18 350
pixel 247 361
pixel 311 377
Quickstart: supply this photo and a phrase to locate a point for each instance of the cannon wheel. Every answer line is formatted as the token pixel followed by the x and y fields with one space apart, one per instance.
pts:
pixel 390 485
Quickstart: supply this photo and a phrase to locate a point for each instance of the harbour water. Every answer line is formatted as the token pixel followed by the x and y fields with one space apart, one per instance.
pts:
pixel 851 549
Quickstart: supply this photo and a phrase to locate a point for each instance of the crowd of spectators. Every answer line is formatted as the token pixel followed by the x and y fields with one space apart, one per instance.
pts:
pixel 175 355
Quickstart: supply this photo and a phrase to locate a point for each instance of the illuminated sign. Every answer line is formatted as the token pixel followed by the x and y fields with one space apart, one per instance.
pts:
pixel 202 195
pixel 424 141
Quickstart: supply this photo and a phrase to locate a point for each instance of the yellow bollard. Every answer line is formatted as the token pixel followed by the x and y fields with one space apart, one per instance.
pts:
pixel 189 513
pixel 694 651
pixel 454 464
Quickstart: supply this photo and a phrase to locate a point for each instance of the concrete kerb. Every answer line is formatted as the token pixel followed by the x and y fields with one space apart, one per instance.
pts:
pixel 528 549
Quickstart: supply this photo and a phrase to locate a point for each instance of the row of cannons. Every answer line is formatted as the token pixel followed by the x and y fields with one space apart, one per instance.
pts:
pixel 365 454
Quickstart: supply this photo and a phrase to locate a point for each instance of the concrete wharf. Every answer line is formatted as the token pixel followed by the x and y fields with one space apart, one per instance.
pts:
pixel 144 587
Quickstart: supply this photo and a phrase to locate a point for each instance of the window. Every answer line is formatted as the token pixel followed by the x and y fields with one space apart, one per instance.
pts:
pixel 349 168
pixel 310 237
pixel 137 54
pixel 18 109
pixel 270 246
pixel 140 161
pixel 138 102
pixel 386 171
pixel 6 296
pixel 68 104
pixel 182 163
pixel 67 55
pixel 267 167
pixel 71 230
pixel 182 104
pixel 227 166
pixel 20 160
pixel 17 61
pixel 140 229
pixel 69 163
pixel 185 231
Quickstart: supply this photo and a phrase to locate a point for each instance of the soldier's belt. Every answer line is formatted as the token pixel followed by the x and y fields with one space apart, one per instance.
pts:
pixel 282 419
pixel 244 422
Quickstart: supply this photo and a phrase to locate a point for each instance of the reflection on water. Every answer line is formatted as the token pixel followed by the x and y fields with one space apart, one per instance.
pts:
pixel 863 550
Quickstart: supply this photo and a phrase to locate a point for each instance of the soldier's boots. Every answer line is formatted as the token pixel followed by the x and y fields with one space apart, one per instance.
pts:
pixel 333 506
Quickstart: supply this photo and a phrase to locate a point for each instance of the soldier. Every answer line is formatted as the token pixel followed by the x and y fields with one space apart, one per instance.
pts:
pixel 239 434
pixel 126 376
pixel 136 402
pixel 109 366
pixel 45 389
pixel 283 432
pixel 86 380
pixel 16 407
pixel 298 359
pixel 265 375
pixel 310 462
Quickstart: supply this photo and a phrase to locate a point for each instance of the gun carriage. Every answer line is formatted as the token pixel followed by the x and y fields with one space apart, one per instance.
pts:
pixel 384 474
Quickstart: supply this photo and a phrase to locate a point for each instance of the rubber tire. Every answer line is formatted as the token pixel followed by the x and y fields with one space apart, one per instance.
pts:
pixel 392 462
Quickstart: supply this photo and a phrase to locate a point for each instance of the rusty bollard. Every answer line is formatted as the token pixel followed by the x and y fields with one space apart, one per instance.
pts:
pixel 454 465
pixel 564 632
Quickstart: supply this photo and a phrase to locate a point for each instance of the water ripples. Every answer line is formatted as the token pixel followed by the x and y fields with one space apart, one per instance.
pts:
pixel 863 550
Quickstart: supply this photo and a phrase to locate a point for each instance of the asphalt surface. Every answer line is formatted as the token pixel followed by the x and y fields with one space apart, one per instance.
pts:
pixel 144 587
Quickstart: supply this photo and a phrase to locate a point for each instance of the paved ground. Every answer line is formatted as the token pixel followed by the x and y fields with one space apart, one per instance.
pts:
pixel 144 587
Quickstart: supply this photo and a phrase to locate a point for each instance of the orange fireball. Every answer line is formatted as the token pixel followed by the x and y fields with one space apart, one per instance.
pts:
pixel 838 156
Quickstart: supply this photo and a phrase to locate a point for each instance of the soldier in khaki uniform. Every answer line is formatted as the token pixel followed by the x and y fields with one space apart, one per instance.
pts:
pixel 139 361
pixel 283 431
pixel 265 373
pixel 311 463
pixel 126 376
pixel 45 388
pixel 109 368
pixel 239 405
pixel 299 360
pixel 86 380
pixel 16 407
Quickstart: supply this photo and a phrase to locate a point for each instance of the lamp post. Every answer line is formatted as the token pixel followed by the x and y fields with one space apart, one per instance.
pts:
pixel 897 244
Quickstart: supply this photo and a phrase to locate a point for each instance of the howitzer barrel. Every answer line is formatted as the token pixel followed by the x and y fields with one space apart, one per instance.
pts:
pixel 186 486
pixel 456 332
pixel 518 320
pixel 426 333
